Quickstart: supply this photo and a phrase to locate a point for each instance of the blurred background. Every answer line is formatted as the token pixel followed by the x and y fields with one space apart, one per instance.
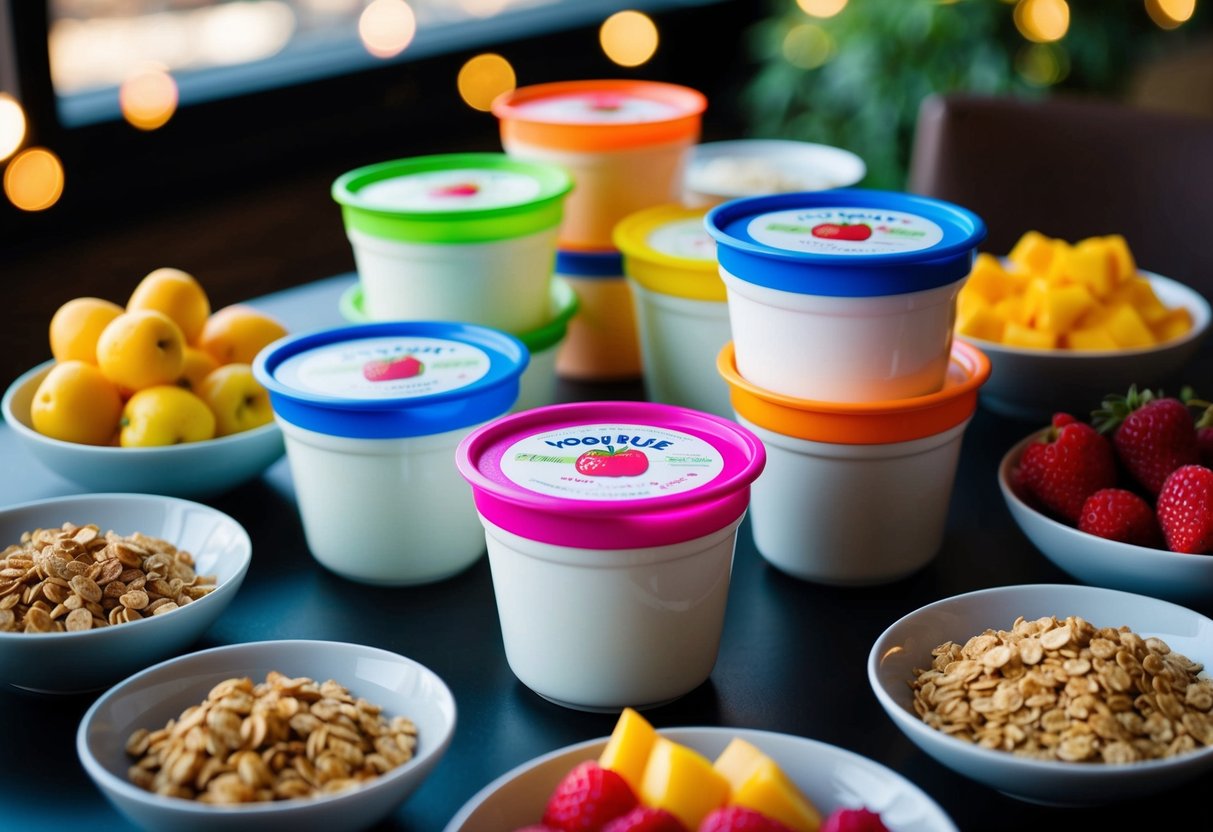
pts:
pixel 204 134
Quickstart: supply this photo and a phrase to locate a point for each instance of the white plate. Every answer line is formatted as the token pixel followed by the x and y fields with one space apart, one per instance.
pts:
pixel 829 776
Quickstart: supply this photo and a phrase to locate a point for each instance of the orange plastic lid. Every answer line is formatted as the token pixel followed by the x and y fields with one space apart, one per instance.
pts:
pixel 865 423
pixel 600 115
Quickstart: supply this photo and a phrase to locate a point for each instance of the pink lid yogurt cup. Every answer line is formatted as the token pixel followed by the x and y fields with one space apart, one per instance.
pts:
pixel 611 475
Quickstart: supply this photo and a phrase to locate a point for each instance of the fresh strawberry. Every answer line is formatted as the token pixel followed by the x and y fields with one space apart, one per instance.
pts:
pixel 1069 463
pixel 645 819
pixel 1153 434
pixel 739 819
pixel 853 820
pixel 1204 426
pixel 1118 514
pixel 1185 510
pixel 587 798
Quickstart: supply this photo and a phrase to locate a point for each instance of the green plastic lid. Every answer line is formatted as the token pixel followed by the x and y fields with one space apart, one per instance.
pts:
pixel 452 198
pixel 564 303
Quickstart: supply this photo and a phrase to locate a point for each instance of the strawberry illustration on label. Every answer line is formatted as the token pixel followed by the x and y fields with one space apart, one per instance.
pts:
pixel 392 369
pixel 606 103
pixel 612 463
pixel 856 232
pixel 461 189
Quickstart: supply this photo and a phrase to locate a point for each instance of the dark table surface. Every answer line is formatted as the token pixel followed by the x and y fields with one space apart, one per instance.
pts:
pixel 792 657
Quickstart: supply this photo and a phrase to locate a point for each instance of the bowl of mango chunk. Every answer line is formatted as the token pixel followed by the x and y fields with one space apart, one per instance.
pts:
pixel 1067 323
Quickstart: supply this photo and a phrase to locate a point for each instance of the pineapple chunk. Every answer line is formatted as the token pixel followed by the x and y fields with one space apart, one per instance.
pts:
pixel 1032 253
pixel 1127 328
pixel 683 782
pixel 628 749
pixel 1062 306
pixel 1017 335
pixel 758 783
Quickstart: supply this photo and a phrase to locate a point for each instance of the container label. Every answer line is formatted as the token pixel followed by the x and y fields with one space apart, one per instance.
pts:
pixel 471 189
pixel 685 238
pixel 598 108
pixel 611 462
pixel 385 368
pixel 845 231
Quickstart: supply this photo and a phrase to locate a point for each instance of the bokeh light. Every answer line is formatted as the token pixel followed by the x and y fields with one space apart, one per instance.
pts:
pixel 1042 21
pixel 628 38
pixel 387 27
pixel 148 97
pixel 807 46
pixel 12 125
pixel 483 78
pixel 33 180
pixel 1169 14
pixel 821 8
pixel 1043 64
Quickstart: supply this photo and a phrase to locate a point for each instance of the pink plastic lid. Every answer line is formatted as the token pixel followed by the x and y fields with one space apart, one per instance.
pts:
pixel 611 475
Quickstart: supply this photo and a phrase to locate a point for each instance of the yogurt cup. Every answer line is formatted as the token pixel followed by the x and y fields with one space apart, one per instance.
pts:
pixel 455 237
pixel 371 415
pixel 843 295
pixel 610 529
pixel 625 142
pixel 720 171
pixel 681 308
pixel 856 494
pixel 602 344
pixel 537 387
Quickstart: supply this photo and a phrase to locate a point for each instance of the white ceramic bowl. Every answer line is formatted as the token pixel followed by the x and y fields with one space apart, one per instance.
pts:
pixel 1033 384
pixel 398 684
pixel 1184 579
pixel 719 171
pixel 829 776
pixel 907 645
pixel 193 469
pixel 94 659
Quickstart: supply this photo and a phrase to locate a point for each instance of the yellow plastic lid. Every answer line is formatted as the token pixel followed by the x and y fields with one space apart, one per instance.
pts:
pixel 866 423
pixel 668 249
pixel 593 116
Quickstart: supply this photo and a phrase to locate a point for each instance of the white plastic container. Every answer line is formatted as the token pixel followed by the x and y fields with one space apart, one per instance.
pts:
pixel 856 494
pixel 455 237
pixel 843 295
pixel 610 529
pixel 625 142
pixel 681 308
pixel 720 171
pixel 372 415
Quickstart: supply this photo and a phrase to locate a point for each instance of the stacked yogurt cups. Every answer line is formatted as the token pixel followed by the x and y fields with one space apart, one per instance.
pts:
pixel 841 308
pixel 610 529
pixel 680 301
pixel 461 237
pixel 371 415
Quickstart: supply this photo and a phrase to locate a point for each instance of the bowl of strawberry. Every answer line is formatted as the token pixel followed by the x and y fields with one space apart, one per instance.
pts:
pixel 1123 499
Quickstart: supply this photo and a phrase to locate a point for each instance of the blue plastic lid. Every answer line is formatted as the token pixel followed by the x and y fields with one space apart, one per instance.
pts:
pixel 848 242
pixel 589 263
pixel 392 379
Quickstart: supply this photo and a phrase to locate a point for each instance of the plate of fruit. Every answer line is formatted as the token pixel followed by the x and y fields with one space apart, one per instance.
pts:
pixel 1063 323
pixel 1123 499
pixel 712 779
pixel 153 396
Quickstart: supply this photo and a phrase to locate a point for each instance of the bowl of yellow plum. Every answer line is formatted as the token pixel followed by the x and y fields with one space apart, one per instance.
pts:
pixel 1064 324
pixel 154 396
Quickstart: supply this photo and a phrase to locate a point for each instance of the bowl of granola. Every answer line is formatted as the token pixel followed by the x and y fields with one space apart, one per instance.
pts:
pixel 299 734
pixel 1055 694
pixel 98 586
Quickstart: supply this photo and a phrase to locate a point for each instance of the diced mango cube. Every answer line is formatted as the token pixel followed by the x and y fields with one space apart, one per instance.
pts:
pixel 759 783
pixel 627 751
pixel 683 782
pixel 1059 271
pixel 1090 263
pixel 979 320
pixel 1127 328
pixel 1018 335
pixel 1176 323
pixel 1138 292
pixel 1033 252
pixel 987 279
pixel 1062 306
pixel 1118 250
pixel 1034 299
pixel 1012 309
pixel 1089 338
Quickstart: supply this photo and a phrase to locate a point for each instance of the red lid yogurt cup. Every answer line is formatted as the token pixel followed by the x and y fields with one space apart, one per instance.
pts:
pixel 611 475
